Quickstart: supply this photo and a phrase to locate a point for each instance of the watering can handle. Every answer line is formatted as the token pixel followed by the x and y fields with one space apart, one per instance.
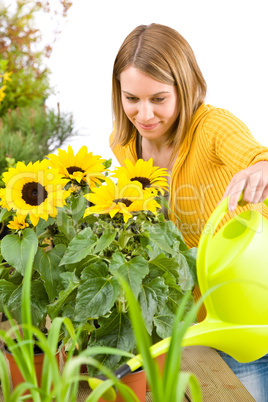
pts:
pixel 206 236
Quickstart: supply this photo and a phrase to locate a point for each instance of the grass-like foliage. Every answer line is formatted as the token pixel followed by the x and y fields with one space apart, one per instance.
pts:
pixel 56 386
pixel 172 383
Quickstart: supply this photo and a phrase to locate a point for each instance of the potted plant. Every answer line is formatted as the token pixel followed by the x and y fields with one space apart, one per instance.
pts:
pixel 52 383
pixel 86 225
pixel 172 383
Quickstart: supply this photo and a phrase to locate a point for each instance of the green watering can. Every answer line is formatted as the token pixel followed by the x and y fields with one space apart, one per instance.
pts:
pixel 235 263
pixel 236 258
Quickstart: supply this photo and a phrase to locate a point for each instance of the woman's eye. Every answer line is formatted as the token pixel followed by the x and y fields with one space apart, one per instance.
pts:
pixel 158 100
pixel 132 98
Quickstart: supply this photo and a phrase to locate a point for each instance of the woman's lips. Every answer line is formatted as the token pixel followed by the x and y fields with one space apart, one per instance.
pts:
pixel 148 126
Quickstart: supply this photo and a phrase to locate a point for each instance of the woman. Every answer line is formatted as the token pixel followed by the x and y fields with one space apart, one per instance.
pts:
pixel 159 110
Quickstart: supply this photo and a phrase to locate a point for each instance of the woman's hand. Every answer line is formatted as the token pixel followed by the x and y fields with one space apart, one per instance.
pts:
pixel 253 180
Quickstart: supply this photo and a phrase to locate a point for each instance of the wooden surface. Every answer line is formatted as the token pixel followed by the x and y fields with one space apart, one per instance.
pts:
pixel 217 380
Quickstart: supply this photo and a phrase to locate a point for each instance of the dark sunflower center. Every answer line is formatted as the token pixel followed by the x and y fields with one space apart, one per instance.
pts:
pixel 34 193
pixel 124 201
pixel 143 180
pixel 73 169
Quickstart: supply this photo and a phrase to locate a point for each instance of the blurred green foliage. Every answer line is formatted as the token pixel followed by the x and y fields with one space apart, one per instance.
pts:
pixel 21 48
pixel 28 130
pixel 28 134
pixel 17 46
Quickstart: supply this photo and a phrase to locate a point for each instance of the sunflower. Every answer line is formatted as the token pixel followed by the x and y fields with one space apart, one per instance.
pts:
pixel 83 166
pixel 33 189
pixel 18 223
pixel 125 197
pixel 152 177
pixel 3 198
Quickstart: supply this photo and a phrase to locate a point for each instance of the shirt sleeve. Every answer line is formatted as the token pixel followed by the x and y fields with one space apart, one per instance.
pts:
pixel 231 142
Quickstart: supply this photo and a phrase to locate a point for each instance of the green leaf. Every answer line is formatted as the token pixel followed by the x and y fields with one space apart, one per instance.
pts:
pixel 152 297
pixel 15 249
pixel 186 280
pixel 173 233
pixel 11 295
pixel 123 238
pixel 175 271
pixel 15 277
pixel 190 256
pixel 65 224
pixel 165 235
pixel 159 238
pixel 7 289
pixel 42 225
pixel 4 214
pixel 39 302
pixel 60 238
pixel 80 246
pixel 166 267
pixel 78 267
pixel 5 271
pixel 114 331
pixel 132 271
pixel 47 264
pixel 69 283
pixel 163 322
pixel 175 297
pixel 77 205
pixel 97 292
pixel 105 240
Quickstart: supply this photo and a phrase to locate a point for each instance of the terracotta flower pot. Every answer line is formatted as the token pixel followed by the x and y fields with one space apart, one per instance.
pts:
pixel 16 376
pixel 137 382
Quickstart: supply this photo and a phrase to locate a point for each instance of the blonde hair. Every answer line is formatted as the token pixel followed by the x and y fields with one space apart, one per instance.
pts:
pixel 163 54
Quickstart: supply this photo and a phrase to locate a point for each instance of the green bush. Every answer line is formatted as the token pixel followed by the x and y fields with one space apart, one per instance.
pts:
pixel 28 134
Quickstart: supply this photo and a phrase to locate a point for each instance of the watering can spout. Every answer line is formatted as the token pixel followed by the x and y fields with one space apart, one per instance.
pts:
pixel 229 338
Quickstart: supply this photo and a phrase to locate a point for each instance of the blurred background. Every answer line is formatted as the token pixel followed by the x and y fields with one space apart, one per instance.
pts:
pixel 229 40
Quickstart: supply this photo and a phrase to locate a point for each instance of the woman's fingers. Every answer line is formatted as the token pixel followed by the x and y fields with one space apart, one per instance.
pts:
pixel 235 191
pixel 253 181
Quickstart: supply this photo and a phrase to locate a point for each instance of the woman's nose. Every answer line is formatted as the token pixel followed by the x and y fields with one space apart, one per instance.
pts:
pixel 145 112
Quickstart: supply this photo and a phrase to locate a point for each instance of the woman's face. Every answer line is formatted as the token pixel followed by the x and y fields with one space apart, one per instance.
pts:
pixel 149 104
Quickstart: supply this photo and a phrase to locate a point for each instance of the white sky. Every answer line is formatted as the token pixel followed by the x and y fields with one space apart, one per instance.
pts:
pixel 229 39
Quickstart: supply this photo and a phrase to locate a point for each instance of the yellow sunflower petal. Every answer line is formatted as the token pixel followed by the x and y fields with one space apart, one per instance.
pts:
pixel 78 176
pixel 34 219
pixel 113 212
pixel 129 166
pixel 81 155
